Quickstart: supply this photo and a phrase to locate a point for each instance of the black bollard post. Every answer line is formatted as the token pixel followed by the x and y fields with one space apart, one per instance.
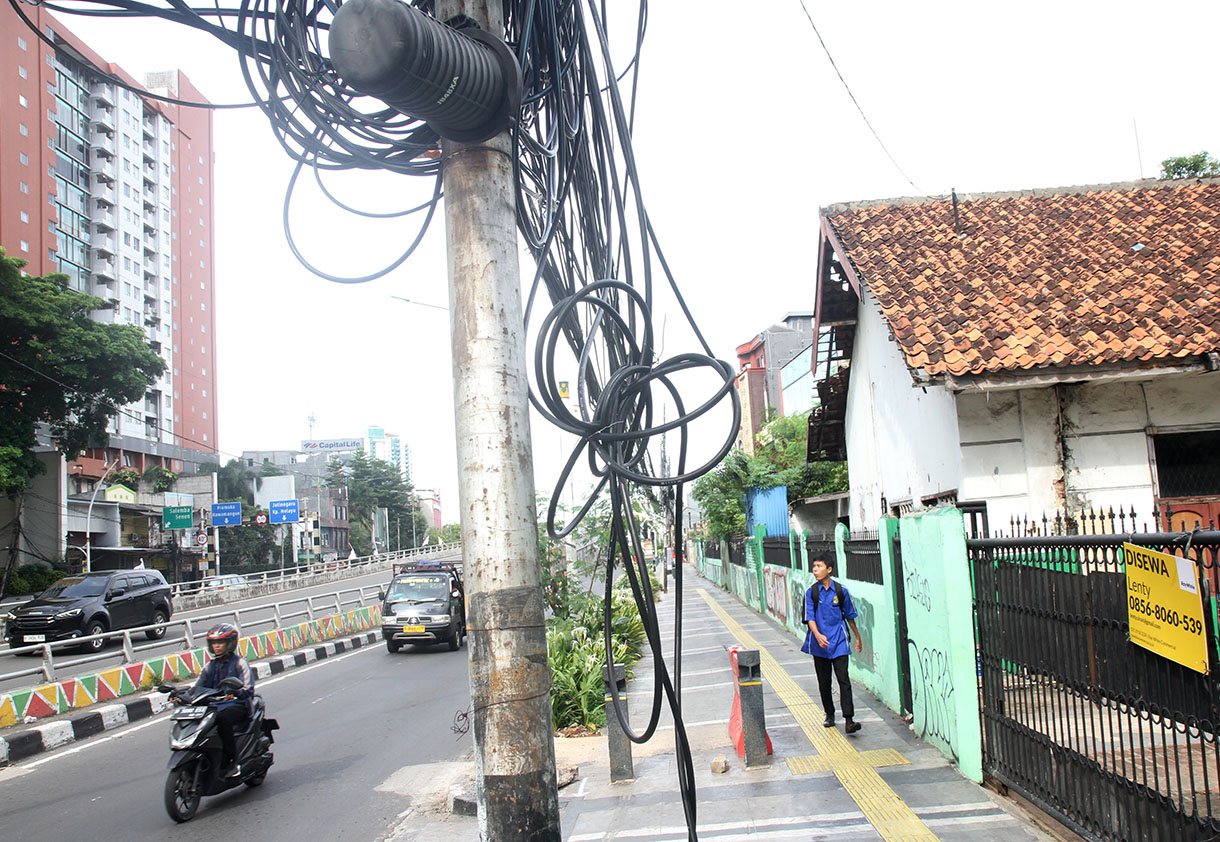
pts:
pixel 753 717
pixel 621 768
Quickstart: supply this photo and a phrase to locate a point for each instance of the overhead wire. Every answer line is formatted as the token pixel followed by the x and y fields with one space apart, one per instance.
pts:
pixel 856 102
pixel 581 213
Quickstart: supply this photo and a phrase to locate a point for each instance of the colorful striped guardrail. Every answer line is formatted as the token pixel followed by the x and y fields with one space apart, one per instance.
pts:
pixel 25 706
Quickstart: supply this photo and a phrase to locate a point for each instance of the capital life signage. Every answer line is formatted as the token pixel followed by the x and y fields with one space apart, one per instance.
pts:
pixel 1164 607
pixel 332 444
pixel 226 514
pixel 285 511
pixel 175 517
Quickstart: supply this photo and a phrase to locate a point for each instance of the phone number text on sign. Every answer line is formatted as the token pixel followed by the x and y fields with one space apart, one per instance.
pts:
pixel 1164 608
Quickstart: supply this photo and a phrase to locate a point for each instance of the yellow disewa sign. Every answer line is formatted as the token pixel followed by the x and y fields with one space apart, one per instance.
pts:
pixel 1164 607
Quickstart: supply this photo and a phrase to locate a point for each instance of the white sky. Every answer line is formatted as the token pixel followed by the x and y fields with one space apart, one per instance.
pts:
pixel 743 131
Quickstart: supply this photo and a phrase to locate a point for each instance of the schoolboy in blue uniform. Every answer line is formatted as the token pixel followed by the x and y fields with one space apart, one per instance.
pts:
pixel 826 639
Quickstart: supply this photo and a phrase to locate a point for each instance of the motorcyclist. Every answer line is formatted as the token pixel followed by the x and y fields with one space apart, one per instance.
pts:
pixel 234 709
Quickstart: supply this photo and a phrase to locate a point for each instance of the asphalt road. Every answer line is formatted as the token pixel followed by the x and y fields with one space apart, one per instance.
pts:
pixel 351 729
pixel 251 622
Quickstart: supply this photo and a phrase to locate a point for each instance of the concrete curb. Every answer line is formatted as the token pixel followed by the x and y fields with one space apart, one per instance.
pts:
pixel 51 735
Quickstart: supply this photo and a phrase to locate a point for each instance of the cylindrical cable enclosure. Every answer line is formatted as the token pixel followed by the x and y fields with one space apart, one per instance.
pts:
pixel 466 84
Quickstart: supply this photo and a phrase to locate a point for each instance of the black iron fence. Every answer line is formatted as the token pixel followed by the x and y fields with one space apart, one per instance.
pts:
pixel 1116 740
pixel 736 547
pixel 819 545
pixel 711 549
pixel 777 552
pixel 863 557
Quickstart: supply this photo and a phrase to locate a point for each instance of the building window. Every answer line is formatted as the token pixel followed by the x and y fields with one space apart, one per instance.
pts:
pixel 24 129
pixel 22 72
pixel 24 158
pixel 20 43
pixel 25 217
pixel 25 188
pixel 25 246
pixel 25 103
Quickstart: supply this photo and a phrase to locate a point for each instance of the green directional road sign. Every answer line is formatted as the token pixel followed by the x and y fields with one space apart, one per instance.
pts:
pixel 176 517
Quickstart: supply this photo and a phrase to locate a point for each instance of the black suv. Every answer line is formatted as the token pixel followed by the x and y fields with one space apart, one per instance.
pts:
pixel 89 604
pixel 424 604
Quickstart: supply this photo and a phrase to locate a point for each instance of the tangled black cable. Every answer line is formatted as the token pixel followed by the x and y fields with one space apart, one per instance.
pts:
pixel 581 212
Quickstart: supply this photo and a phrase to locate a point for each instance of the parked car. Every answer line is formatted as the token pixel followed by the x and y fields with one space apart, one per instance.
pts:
pixel 227 582
pixel 89 604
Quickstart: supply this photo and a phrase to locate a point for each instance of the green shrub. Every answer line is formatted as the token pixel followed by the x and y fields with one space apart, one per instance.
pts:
pixel 576 653
pixel 33 578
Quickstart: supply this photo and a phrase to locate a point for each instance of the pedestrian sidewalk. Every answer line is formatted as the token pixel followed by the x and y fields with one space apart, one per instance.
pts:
pixel 880 783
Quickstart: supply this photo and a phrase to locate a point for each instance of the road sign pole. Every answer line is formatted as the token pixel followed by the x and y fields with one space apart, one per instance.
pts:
pixel 510 680
pixel 215 528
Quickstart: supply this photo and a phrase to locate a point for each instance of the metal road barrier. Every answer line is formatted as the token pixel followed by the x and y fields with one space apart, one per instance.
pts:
pixel 274 615
pixel 303 573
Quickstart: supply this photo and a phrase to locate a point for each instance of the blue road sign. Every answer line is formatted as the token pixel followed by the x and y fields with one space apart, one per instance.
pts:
pixel 284 511
pixel 226 514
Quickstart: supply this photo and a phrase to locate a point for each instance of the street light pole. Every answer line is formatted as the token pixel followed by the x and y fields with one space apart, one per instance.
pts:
pixel 89 516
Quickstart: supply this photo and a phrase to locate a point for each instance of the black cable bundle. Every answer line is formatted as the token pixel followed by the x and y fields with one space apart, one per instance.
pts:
pixel 581 212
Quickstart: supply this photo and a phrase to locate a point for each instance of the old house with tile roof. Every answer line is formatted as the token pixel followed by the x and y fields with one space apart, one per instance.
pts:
pixel 1018 353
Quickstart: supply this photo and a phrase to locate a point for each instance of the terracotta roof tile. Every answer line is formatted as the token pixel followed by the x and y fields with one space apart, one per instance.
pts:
pixel 1073 277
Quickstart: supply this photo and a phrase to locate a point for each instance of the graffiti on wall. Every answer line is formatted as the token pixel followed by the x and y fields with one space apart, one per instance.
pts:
pixel 916 589
pixel 753 589
pixel 797 601
pixel 865 615
pixel 932 696
pixel 776 584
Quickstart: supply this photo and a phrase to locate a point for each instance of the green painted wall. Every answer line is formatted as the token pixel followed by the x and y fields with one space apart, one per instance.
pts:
pixel 938 600
pixel 940 636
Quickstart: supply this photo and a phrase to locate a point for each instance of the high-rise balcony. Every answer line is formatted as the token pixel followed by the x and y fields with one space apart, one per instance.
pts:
pixel 103 245
pixel 101 116
pixel 102 92
pixel 103 270
pixel 150 131
pixel 102 145
pixel 103 217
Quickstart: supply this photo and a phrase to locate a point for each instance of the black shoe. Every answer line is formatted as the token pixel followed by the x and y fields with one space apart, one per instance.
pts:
pixel 233 771
pixel 852 726
pixel 828 722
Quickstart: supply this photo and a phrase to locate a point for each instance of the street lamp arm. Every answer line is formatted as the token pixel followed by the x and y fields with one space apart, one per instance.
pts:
pixel 89 516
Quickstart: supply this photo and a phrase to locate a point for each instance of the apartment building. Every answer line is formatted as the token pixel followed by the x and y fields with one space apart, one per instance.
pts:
pixel 113 188
pixel 389 447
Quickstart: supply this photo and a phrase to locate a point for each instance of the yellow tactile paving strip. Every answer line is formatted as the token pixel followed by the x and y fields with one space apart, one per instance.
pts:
pixel 889 815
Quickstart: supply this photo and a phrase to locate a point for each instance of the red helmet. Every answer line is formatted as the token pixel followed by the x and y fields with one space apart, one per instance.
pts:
pixel 225 633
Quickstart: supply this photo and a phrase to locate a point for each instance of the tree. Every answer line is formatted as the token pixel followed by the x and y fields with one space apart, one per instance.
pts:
pixel 60 367
pixel 376 484
pixel 248 546
pixel 234 482
pixel 779 459
pixel 1200 165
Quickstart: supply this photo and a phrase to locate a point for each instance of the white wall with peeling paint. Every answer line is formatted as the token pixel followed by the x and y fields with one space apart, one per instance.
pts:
pixel 902 440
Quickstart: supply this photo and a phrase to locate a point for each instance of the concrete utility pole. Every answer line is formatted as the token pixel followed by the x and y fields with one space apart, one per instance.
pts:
pixel 510 681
